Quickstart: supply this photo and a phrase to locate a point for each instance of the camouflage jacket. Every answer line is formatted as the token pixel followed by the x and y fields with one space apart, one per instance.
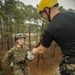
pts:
pixel 15 55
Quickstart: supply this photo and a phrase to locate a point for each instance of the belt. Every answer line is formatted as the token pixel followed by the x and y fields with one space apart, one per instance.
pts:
pixel 69 59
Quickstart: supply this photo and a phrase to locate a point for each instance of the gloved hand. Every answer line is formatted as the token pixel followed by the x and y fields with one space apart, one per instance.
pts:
pixel 30 55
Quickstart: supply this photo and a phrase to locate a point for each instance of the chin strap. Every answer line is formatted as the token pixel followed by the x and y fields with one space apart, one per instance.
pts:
pixel 48 14
pixel 20 45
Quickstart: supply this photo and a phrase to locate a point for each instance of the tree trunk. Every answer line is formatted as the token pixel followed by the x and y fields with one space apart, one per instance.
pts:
pixel 0 66
pixel 37 34
pixel 1 41
pixel 18 27
pixel 1 34
pixel 29 37
pixel 54 47
pixel 40 55
pixel 10 31
pixel 8 44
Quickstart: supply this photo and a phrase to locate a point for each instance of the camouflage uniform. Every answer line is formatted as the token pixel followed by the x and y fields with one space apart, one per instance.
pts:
pixel 18 57
pixel 68 67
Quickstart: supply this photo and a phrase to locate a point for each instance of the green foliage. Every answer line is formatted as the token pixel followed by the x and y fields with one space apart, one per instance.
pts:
pixel 14 14
pixel 15 17
pixel 62 9
pixel 6 35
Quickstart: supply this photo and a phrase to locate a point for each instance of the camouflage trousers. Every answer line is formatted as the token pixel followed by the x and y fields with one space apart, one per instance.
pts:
pixel 21 71
pixel 70 67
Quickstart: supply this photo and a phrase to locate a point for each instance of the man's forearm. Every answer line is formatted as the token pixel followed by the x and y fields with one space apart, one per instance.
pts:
pixel 40 49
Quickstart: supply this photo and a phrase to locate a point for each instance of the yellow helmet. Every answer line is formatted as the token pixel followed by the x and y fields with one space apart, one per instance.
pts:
pixel 46 3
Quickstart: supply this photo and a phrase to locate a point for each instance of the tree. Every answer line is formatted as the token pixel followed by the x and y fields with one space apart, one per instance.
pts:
pixel 62 9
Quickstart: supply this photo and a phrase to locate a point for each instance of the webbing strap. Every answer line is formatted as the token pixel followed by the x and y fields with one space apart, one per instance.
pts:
pixel 48 14
pixel 63 70
pixel 63 66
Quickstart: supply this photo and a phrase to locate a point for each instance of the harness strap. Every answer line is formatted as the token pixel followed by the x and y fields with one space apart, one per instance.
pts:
pixel 63 69
pixel 63 65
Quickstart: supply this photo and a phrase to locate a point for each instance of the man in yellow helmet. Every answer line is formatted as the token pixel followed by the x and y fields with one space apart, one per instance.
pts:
pixel 45 7
pixel 61 29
